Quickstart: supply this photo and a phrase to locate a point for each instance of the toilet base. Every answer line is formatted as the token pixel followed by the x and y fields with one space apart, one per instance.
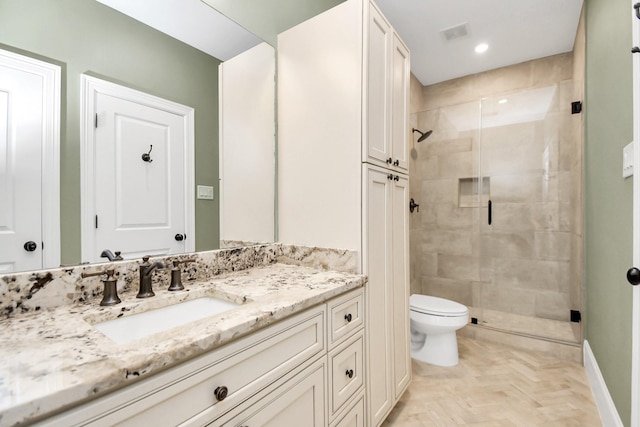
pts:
pixel 439 350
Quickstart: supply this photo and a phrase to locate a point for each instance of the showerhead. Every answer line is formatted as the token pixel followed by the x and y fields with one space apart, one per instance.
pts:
pixel 423 135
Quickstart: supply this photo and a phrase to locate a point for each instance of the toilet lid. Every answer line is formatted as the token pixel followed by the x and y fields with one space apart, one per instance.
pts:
pixel 437 306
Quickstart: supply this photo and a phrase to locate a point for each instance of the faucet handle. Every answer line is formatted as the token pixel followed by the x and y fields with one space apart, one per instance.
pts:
pixel 176 263
pixel 110 289
pixel 176 274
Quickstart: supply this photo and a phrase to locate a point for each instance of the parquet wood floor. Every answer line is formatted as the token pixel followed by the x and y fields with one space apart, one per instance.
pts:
pixel 497 385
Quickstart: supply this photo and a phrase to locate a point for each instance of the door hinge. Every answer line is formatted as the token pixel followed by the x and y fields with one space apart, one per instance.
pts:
pixel 575 316
pixel 576 107
pixel 96 221
pixel 96 121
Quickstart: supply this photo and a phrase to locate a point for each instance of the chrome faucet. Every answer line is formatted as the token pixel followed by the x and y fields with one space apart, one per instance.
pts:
pixel 146 268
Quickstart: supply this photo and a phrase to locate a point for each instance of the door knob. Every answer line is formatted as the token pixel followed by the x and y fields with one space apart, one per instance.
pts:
pixel 180 237
pixel 633 276
pixel 30 246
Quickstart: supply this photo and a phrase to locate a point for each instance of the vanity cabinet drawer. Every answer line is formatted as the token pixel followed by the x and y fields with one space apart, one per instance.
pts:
pixel 354 417
pixel 300 401
pixel 346 372
pixel 346 315
pixel 212 384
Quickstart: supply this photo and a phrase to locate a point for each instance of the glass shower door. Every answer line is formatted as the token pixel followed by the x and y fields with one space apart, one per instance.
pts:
pixel 529 240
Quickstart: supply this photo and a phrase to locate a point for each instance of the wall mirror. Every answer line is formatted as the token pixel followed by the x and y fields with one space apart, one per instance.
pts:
pixel 93 38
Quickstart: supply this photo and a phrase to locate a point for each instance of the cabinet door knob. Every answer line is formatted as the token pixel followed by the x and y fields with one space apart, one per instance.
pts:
pixel 389 177
pixel 389 160
pixel 349 373
pixel 396 163
pixel 396 178
pixel 221 393
pixel 348 317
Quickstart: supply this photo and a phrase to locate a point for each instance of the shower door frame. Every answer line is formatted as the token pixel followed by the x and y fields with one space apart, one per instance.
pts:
pixel 635 331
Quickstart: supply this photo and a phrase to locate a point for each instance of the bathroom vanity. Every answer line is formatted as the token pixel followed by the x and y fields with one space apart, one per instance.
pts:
pixel 291 350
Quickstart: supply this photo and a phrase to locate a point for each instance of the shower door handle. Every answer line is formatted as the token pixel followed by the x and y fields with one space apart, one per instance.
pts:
pixel 489 214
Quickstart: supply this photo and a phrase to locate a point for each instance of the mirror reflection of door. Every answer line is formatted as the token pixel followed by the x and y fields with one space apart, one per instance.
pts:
pixel 137 185
pixel 29 147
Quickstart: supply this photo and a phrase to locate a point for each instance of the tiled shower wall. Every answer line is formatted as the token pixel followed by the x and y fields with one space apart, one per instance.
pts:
pixel 529 261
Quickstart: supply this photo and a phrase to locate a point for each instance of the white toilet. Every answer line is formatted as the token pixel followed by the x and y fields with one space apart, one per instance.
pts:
pixel 434 322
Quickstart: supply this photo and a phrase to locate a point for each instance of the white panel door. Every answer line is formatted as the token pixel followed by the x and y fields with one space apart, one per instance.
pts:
pixel 379 298
pixel 27 105
pixel 400 65
pixel 400 284
pixel 378 88
pixel 136 206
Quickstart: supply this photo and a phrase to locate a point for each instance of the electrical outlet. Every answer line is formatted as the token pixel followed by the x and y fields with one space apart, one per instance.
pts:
pixel 205 192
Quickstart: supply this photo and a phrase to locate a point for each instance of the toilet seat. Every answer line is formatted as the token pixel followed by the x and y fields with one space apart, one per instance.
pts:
pixel 436 306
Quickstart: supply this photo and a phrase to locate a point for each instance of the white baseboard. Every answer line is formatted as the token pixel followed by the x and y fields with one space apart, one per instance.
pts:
pixel 608 412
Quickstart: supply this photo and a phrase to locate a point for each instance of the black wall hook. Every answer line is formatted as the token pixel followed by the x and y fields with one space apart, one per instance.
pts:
pixel 146 157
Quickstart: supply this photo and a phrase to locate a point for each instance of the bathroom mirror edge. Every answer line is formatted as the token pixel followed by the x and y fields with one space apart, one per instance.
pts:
pixel 52 50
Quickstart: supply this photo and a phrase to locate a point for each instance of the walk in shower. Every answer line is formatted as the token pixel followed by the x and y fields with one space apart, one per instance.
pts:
pixel 499 229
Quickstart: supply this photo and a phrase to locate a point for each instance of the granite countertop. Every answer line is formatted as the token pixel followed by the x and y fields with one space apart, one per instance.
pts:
pixel 54 358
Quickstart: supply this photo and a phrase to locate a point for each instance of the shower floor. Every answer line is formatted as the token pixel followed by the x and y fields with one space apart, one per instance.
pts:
pixel 560 338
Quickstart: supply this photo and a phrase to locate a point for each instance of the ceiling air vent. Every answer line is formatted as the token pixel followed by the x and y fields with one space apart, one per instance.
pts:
pixel 456 32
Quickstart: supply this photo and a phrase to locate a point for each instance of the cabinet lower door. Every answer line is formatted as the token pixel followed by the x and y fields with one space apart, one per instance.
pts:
pixel 400 286
pixel 298 402
pixel 377 267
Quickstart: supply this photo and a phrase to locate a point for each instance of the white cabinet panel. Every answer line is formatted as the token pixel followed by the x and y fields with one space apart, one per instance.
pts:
pixel 400 285
pixel 378 88
pixel 298 402
pixel 379 318
pixel 400 75
pixel 346 315
pixel 346 373
pixel 354 417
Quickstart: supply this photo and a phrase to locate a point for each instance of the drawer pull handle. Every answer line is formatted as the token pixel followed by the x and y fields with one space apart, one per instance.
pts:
pixel 221 393
pixel 348 317
pixel 349 373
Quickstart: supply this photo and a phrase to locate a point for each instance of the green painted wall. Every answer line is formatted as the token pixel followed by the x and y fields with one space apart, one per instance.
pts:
pixel 608 198
pixel 268 18
pixel 87 37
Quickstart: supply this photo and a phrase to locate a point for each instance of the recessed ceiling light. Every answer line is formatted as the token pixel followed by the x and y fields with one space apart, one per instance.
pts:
pixel 482 48
pixel 503 101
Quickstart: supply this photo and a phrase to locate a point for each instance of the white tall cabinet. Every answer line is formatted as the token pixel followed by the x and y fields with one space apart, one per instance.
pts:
pixel 343 87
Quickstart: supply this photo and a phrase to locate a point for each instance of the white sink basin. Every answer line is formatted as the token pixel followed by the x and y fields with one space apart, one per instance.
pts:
pixel 131 328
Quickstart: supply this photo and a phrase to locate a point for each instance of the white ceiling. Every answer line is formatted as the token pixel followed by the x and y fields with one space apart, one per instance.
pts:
pixel 192 22
pixel 516 30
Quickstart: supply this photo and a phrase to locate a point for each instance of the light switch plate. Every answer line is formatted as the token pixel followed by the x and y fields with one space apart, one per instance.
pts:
pixel 627 160
pixel 205 192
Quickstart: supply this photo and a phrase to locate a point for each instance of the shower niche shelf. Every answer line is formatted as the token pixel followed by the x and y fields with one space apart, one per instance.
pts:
pixel 470 195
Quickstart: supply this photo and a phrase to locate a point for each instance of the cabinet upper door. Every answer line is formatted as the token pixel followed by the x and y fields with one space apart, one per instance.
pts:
pixel 378 114
pixel 400 66
pixel 387 95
